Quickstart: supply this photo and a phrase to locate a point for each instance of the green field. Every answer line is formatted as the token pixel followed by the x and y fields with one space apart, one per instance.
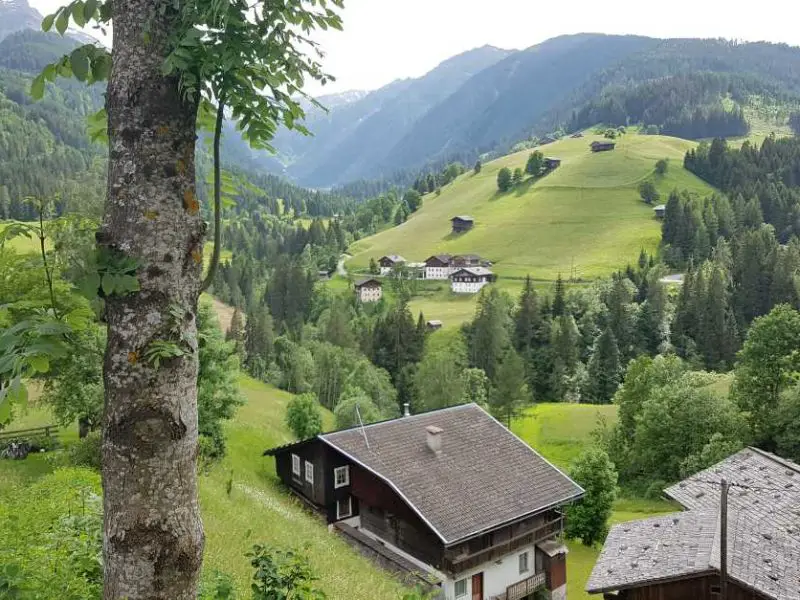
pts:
pixel 584 219
pixel 259 510
pixel 21 244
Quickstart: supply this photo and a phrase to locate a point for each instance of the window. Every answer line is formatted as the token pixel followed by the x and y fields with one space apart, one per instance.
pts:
pixel 523 563
pixel 309 473
pixel 344 508
pixel 341 476
pixel 295 465
pixel 461 588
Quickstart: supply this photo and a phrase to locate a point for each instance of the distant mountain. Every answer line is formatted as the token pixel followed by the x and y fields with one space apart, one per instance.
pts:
pixel 488 99
pixel 16 15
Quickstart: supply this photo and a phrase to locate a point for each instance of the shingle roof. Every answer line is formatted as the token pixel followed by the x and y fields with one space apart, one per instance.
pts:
pixel 462 218
pixel 483 477
pixel 477 271
pixel 367 280
pixel 763 528
pixel 395 258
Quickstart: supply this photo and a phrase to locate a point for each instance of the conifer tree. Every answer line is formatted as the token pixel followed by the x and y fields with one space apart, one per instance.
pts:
pixel 259 341
pixel 564 344
pixel 510 392
pixel 488 336
pixel 235 332
pixel 559 298
pixel 604 369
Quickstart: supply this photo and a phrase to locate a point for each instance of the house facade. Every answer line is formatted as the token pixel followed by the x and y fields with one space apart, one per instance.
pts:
pixel 438 266
pixel 451 492
pixel 387 263
pixel 470 280
pixel 660 211
pixel 462 223
pixel 678 556
pixel 369 290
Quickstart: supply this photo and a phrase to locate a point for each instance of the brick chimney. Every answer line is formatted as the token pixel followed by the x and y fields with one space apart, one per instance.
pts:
pixel 434 438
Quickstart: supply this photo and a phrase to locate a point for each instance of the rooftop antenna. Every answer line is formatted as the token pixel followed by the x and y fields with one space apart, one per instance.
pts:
pixel 361 423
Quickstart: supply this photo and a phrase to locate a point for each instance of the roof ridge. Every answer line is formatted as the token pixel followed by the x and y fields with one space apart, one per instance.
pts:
pixel 775 458
pixel 392 420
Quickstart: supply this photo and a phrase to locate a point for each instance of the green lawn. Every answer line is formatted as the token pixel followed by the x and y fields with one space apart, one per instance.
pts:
pixel 586 218
pixel 21 244
pixel 560 432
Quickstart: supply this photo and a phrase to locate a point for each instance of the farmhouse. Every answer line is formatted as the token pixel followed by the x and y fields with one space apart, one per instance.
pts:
pixel 470 280
pixel 677 556
pixel 603 146
pixel 660 211
pixel 577 134
pixel 451 493
pixel 369 290
pixel 438 266
pixel 551 163
pixel 462 223
pixel 465 260
pixel 387 263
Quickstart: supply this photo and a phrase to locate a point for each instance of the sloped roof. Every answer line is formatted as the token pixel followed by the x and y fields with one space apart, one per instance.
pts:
pixel 462 218
pixel 395 258
pixel 445 258
pixel 484 476
pixel 477 271
pixel 763 529
pixel 363 282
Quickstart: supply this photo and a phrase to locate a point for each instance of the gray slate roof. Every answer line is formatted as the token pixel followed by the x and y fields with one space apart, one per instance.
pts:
pixel 763 530
pixel 395 258
pixel 477 271
pixel 366 280
pixel 483 477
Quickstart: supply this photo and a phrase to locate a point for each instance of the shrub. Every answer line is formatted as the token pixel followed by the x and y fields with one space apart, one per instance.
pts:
pixel 303 416
pixel 86 452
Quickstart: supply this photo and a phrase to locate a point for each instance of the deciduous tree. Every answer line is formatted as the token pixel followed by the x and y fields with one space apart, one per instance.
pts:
pixel 588 518
pixel 303 416
pixel 504 179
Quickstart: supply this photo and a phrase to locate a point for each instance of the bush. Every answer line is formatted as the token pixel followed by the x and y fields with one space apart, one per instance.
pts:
pixel 86 452
pixel 303 416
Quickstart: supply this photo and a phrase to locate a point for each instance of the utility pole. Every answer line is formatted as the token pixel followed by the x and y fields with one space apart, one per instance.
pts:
pixel 723 540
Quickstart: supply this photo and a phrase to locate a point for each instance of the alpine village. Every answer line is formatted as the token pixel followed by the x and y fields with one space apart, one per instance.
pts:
pixel 320 299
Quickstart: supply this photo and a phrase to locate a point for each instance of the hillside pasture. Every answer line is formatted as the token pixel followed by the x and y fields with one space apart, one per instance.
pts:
pixel 585 218
pixel 21 244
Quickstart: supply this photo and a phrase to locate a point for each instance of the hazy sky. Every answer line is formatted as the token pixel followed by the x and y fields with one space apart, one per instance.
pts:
pixel 385 40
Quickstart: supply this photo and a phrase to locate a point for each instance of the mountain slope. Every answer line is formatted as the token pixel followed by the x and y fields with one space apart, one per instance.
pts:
pixel 375 122
pixel 16 16
pixel 585 218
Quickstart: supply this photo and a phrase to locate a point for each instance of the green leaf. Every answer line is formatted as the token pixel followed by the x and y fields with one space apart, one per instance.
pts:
pixel 62 21
pixel 101 66
pixel 40 363
pixel 37 87
pixel 127 283
pixel 89 9
pixel 47 22
pixel 77 13
pixel 108 284
pixel 80 64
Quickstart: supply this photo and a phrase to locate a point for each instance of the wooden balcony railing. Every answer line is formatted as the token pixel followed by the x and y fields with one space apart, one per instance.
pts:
pixel 524 588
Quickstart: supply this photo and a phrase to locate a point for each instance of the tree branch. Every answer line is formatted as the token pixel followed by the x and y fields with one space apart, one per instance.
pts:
pixel 212 268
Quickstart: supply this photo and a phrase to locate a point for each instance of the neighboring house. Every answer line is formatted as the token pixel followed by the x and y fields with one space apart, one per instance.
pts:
pixel 462 223
pixel 433 324
pixel 546 140
pixel 438 266
pixel 603 146
pixel 451 493
pixel 660 211
pixel 387 263
pixel 369 290
pixel 470 279
pixel 465 260
pixel 551 163
pixel 416 270
pixel 323 275
pixel 577 134
pixel 677 556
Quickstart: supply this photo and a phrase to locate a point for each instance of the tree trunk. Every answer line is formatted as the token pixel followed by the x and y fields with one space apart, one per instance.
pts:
pixel 153 535
pixel 84 427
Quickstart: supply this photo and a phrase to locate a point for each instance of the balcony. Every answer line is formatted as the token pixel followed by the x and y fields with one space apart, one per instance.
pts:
pixel 523 588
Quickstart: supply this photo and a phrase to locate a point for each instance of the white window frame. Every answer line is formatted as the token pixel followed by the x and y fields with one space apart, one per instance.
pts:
pixel 310 472
pixel 296 462
pixel 524 557
pixel 465 592
pixel 339 514
pixel 346 470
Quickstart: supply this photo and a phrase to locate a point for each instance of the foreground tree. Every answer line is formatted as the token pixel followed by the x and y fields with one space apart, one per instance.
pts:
pixel 588 519
pixel 303 416
pixel 168 61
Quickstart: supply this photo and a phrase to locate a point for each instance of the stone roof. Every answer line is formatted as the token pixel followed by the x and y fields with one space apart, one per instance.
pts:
pixel 484 476
pixel 763 531
pixel 477 271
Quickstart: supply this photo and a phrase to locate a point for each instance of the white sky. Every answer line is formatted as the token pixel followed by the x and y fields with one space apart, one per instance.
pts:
pixel 384 40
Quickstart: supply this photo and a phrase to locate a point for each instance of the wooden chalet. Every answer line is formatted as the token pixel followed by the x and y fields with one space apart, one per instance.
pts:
pixel 438 266
pixel 602 146
pixel 369 290
pixel 465 260
pixel 387 263
pixel 551 163
pixel 660 211
pixel 677 556
pixel 469 280
pixel 450 492
pixel 462 223
pixel 433 324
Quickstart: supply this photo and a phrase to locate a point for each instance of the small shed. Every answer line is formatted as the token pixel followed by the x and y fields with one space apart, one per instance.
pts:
pixel 433 324
pixel 576 135
pixel 462 223
pixel 602 146
pixel 660 211
pixel 551 163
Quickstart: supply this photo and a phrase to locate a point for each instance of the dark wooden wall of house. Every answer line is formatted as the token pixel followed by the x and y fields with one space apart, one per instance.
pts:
pixel 314 453
pixel 384 513
pixel 697 588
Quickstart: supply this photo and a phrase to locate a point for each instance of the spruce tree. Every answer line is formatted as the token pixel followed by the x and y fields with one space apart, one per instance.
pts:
pixel 235 332
pixel 510 392
pixel 564 345
pixel 488 336
pixel 258 341
pixel 604 369
pixel 559 298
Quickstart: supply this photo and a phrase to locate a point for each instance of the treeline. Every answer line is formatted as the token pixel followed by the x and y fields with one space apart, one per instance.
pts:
pixel 687 106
